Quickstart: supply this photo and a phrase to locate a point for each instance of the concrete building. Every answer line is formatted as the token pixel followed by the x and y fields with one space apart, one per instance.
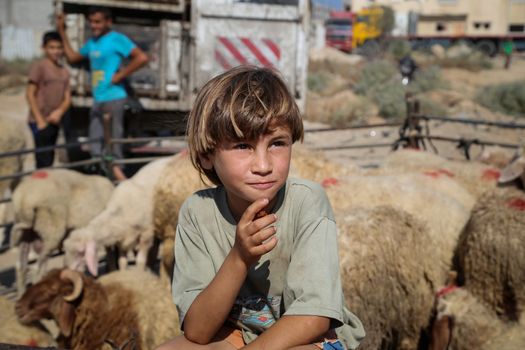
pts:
pixel 455 17
pixel 22 23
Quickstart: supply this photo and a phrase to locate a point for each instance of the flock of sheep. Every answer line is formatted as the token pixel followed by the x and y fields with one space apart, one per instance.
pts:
pixel 402 228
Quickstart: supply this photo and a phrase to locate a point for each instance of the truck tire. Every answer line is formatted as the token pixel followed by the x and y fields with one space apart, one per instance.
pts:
pixel 488 47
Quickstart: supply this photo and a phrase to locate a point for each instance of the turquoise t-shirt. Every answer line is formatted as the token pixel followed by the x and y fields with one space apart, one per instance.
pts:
pixel 105 55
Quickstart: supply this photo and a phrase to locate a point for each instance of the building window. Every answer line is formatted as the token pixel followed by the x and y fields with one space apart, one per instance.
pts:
pixel 484 25
pixel 440 27
pixel 517 28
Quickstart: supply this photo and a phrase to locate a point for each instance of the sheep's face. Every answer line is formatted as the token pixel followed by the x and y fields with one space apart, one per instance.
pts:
pixel 74 251
pixel 44 299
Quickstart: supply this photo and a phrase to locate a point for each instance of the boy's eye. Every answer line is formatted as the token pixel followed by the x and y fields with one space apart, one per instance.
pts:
pixel 279 143
pixel 241 146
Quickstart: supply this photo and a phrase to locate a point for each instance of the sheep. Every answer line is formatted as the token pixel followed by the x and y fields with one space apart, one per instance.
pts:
pixel 491 256
pixel 122 307
pixel 473 325
pixel 126 221
pixel 47 205
pixel 387 261
pixel 177 182
pixel 13 332
pixel 316 167
pixel 440 203
pixel 475 177
pixel 11 139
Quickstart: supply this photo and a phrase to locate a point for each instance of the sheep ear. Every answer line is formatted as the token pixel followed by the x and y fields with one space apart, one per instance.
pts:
pixel 91 257
pixel 64 313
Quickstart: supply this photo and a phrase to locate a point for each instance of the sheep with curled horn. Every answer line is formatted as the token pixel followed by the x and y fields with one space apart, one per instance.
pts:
pixel 119 308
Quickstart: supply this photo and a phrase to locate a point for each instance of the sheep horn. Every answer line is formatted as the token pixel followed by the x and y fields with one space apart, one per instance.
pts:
pixel 78 283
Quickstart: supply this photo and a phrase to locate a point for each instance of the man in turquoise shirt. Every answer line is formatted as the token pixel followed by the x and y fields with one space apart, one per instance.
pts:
pixel 105 52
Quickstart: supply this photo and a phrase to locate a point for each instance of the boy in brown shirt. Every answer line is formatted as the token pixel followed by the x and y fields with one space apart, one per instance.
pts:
pixel 49 97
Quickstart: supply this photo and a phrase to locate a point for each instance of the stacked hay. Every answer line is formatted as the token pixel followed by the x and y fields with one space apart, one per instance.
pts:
pixel 475 177
pixel 474 326
pixel 177 182
pixel 428 200
pixel 387 260
pixel 13 332
pixel 491 253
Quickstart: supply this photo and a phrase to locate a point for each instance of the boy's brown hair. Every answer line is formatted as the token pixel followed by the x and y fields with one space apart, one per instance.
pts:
pixel 242 103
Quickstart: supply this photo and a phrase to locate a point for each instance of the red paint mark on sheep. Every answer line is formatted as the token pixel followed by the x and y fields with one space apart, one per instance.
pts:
pixel 32 342
pixel 330 181
pixel 40 174
pixel 432 174
pixel 446 172
pixel 445 290
pixel 491 174
pixel 516 203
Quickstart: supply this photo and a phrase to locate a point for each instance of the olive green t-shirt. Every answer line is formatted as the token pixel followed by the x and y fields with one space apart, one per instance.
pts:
pixel 300 276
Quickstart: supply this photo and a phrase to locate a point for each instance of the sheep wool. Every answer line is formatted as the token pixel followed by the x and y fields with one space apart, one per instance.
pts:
pixel 444 215
pixel 177 182
pixel 126 221
pixel 491 253
pixel 387 260
pixel 475 326
pixel 11 139
pixel 49 203
pixel 475 177
pixel 13 332
pixel 314 166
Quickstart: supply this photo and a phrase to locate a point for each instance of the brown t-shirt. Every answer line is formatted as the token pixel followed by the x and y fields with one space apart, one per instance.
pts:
pixel 52 81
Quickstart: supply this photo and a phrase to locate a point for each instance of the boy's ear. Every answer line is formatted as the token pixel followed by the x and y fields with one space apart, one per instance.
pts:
pixel 206 161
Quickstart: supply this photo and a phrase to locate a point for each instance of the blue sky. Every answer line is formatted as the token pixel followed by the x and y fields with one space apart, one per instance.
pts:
pixel 335 4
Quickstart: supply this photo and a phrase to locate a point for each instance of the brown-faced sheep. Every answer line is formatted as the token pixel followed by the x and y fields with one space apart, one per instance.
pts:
pixel 442 204
pixel 475 177
pixel 13 332
pixel 473 325
pixel 388 265
pixel 123 306
pixel 176 183
pixel 48 204
pixel 491 253
pixel 127 221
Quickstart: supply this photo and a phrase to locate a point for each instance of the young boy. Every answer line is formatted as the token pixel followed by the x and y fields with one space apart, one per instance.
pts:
pixel 256 257
pixel 106 51
pixel 48 96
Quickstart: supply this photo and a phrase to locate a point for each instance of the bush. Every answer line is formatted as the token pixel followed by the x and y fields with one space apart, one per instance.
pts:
pixel 398 49
pixel 464 57
pixel 506 98
pixel 380 82
pixel 427 79
pixel 317 82
pixel 355 113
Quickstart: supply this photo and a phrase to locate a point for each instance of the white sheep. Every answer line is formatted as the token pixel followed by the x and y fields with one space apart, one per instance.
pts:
pixel 441 204
pixel 126 221
pixel 474 176
pixel 47 205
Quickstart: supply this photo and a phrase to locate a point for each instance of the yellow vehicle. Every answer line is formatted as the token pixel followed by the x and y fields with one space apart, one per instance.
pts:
pixel 367 27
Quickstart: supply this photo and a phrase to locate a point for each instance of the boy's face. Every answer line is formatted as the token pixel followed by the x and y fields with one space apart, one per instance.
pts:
pixel 99 24
pixel 252 169
pixel 54 50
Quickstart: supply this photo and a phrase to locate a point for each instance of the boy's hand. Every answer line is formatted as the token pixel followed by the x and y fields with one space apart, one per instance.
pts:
pixel 254 237
pixel 41 124
pixel 116 78
pixel 54 117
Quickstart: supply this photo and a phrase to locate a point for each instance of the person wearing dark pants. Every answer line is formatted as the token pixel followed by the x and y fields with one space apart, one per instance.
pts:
pixel 49 97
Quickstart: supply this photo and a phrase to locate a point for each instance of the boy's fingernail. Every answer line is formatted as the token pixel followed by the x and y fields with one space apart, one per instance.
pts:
pixel 265 200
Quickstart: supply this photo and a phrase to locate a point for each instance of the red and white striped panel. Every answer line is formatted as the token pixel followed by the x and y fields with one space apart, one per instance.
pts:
pixel 233 51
